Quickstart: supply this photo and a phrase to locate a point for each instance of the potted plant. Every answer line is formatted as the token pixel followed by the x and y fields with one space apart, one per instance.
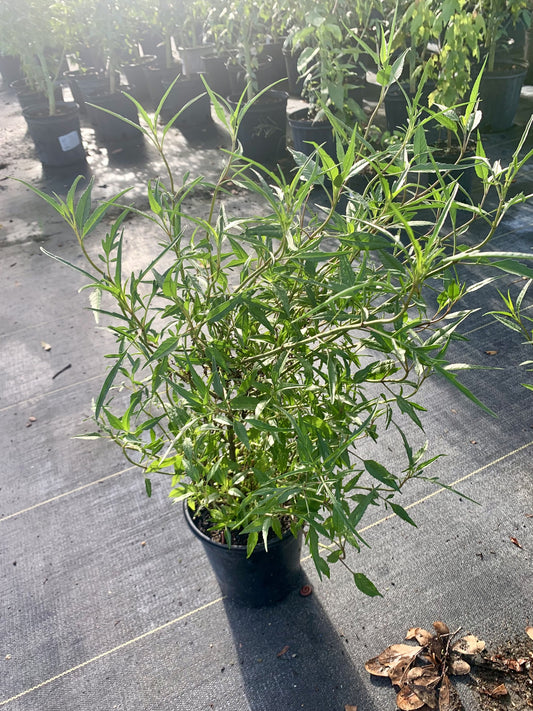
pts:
pixel 34 35
pixel 192 17
pixel 328 66
pixel 110 23
pixel 255 353
pixel 503 78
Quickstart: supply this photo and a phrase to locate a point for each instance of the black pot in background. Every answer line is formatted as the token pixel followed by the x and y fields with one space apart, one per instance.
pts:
pixel 265 578
pixel 158 77
pixel 88 83
pixel 10 68
pixel 191 57
pixel 396 110
pixel 238 80
pixel 136 76
pixel 57 138
pixel 110 128
pixel 28 97
pixel 296 83
pixel 274 51
pixel 263 127
pixel 184 90
pixel 500 93
pixel 305 131
pixel 216 73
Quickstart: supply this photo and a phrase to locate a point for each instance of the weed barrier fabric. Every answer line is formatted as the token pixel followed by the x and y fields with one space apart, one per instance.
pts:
pixel 108 602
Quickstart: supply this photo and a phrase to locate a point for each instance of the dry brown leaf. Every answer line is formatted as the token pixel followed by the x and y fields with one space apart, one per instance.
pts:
pixel 390 655
pixel 459 667
pixel 350 707
pixel 376 668
pixel 422 636
pixel 428 696
pixel 407 700
pixel 441 628
pixel 423 676
pixel 398 671
pixel 500 690
pixel 491 353
pixel 283 651
pixel 516 542
pixel 448 697
pixel 469 645
pixel 529 631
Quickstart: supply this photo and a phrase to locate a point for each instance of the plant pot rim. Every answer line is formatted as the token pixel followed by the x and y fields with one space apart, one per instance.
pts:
pixel 301 117
pixel 63 108
pixel 504 70
pixel 271 96
pixel 235 548
pixel 141 61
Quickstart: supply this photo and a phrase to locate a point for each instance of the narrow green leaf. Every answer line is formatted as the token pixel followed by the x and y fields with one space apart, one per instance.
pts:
pixel 402 513
pixel 251 543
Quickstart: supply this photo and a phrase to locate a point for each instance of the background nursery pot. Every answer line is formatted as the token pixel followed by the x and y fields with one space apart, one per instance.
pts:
pixel 264 578
pixel 57 138
pixel 262 129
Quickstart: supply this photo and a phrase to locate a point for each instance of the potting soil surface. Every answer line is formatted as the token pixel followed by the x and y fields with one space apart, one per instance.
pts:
pixel 108 602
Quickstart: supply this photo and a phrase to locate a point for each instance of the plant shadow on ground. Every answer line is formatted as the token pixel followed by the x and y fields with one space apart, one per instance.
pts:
pixel 291 657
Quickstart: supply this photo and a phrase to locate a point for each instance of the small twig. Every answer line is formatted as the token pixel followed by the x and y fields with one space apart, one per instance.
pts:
pixel 61 371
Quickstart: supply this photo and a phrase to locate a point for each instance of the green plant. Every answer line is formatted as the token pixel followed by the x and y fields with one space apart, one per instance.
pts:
pixel 497 16
pixel 515 316
pixel 255 354
pixel 32 30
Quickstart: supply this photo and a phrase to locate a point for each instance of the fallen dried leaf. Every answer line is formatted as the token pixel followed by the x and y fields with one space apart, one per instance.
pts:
pixel 514 540
pixel 407 700
pixel 428 696
pixel 283 651
pixel 422 636
pixel 350 707
pixel 390 655
pixel 376 668
pixel 500 690
pixel 529 631
pixel 459 667
pixel 46 346
pixel 491 353
pixel 423 676
pixel 448 697
pixel 398 671
pixel 469 645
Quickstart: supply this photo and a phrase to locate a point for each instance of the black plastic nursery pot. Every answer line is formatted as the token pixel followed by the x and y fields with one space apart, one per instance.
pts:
pixel 396 109
pixel 216 73
pixel 57 138
pixel 305 132
pixel 265 578
pixel 136 76
pixel 500 93
pixel 262 131
pixel 10 68
pixel 111 128
pixel 191 57
pixel 295 81
pixel 158 77
pixel 86 84
pixel 184 90
pixel 28 97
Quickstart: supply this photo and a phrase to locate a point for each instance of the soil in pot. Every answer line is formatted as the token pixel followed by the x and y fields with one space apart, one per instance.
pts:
pixel 262 131
pixel 57 138
pixel 265 578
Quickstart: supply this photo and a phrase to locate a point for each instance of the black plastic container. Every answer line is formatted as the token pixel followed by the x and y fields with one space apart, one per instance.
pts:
pixel 136 76
pixel 265 578
pixel 216 73
pixel 295 81
pixel 10 68
pixel 111 129
pixel 157 78
pixel 499 92
pixel 262 131
pixel 27 97
pixel 184 90
pixel 57 138
pixel 305 132
pixel 85 84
